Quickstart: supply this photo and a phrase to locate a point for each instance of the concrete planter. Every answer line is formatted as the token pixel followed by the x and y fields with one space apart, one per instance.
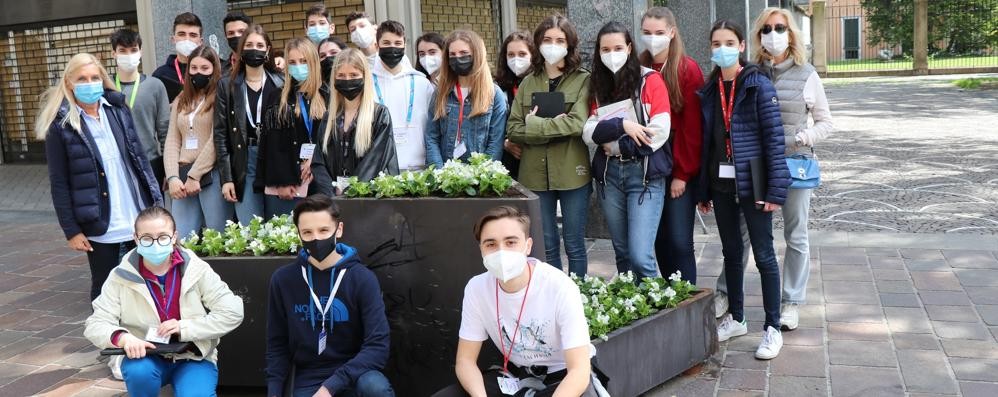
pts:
pixel 655 349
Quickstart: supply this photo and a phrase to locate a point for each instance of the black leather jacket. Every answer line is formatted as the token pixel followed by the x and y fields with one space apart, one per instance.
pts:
pixel 230 136
pixel 380 157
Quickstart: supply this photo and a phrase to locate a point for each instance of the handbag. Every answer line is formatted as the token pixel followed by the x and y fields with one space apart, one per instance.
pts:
pixel 804 172
pixel 186 168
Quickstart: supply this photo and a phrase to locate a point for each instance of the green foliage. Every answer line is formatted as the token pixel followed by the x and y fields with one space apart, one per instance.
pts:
pixel 619 302
pixel 358 188
pixel 278 236
pixel 956 27
pixel 974 83
pixel 481 176
pixel 385 185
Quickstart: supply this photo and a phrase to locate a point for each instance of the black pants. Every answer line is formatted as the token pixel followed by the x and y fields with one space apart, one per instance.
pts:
pixel 102 260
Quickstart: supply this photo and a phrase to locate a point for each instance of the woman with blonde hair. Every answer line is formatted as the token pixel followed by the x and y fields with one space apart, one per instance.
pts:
pixel 100 177
pixel 291 129
pixel 469 110
pixel 357 139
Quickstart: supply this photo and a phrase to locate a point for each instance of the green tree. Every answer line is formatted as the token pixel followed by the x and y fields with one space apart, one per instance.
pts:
pixel 956 27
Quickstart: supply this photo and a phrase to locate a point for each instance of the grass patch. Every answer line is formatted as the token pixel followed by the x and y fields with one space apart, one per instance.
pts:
pixel 907 64
pixel 974 83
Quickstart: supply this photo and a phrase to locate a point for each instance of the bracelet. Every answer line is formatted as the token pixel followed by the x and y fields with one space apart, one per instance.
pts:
pixel 173 177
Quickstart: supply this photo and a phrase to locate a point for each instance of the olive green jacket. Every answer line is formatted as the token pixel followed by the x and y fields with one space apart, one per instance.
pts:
pixel 554 155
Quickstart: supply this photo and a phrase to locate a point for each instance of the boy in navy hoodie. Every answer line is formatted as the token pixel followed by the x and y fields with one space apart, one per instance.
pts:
pixel 337 348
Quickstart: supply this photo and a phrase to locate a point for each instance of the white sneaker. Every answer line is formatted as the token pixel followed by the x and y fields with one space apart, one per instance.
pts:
pixel 720 304
pixel 789 318
pixel 772 342
pixel 115 365
pixel 729 328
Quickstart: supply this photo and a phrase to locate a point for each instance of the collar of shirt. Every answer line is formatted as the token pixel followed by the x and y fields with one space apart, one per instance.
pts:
pixel 102 101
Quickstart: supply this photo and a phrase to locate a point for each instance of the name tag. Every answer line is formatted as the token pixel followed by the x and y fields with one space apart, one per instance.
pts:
pixel 726 171
pixel 509 386
pixel 153 336
pixel 322 341
pixel 460 150
pixel 341 184
pixel 191 143
pixel 307 150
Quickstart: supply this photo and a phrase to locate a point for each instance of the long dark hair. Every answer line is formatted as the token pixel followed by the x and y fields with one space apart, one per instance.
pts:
pixel 674 59
pixel 605 87
pixel 572 59
pixel 239 68
pixel 505 77
pixel 727 24
pixel 186 102
pixel 431 37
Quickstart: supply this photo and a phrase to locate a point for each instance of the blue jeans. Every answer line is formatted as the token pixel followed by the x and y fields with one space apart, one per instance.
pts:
pixel 760 229
pixel 276 206
pixel 674 243
pixel 145 376
pixel 574 211
pixel 632 210
pixel 370 384
pixel 252 203
pixel 206 209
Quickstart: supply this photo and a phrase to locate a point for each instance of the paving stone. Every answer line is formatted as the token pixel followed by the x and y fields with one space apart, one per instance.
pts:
pixel 895 286
pixel 916 253
pixel 891 274
pixel 952 313
pixel 739 393
pixel 983 295
pixel 57 330
pixel 745 360
pixel 850 292
pixel 989 313
pixel 978 389
pixel 925 371
pixel 955 330
pixel 40 323
pixel 861 353
pixel 800 361
pixel 7 337
pixel 906 341
pixel 21 346
pixel 854 313
pixel 50 352
pixel 97 391
pixel 794 386
pixel 68 387
pixel 37 381
pixel 971 259
pixel 918 265
pixel 746 343
pixel 903 319
pixel 865 381
pixel 834 258
pixel 899 300
pixel 845 273
pixel 811 316
pixel 970 348
pixel 858 331
pixel 944 298
pixel 10 371
pixel 804 337
pixel 742 379
pixel 975 369
pixel 935 281
pixel 882 252
pixel 977 277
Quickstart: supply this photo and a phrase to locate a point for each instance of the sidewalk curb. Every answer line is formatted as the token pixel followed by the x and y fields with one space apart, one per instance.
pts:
pixel 821 238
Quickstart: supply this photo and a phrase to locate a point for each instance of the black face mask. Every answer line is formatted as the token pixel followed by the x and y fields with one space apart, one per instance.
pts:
pixel 462 65
pixel 327 67
pixel 254 58
pixel 234 42
pixel 391 56
pixel 320 248
pixel 200 81
pixel 349 88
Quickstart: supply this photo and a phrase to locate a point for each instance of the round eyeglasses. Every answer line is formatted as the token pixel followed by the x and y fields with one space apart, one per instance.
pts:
pixel 162 240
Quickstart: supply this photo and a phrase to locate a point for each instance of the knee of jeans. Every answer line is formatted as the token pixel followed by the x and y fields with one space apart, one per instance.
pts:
pixel 141 371
pixel 374 384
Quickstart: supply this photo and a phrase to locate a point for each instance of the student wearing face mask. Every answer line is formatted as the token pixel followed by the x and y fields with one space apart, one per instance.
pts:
pixel 744 175
pixel 357 140
pixel 429 49
pixel 554 163
pixel 100 178
pixel 471 116
pixel 340 345
pixel 632 160
pixel 328 50
pixel 189 155
pixel 242 97
pixel 291 130
pixel 533 314
pixel 405 92
pixel 318 25
pixel 518 51
pixel 187 32
pixel 161 292
pixel 146 98
pixel 666 54
pixel 363 34
pixel 235 24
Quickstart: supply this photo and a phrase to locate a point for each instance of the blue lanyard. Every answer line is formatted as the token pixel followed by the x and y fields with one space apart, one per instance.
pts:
pixel 304 115
pixel 412 95
pixel 311 304
pixel 173 293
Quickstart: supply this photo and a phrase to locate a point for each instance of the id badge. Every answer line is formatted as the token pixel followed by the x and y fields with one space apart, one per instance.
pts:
pixel 402 135
pixel 460 150
pixel 322 340
pixel 153 336
pixel 191 143
pixel 341 185
pixel 508 386
pixel 307 149
pixel 726 171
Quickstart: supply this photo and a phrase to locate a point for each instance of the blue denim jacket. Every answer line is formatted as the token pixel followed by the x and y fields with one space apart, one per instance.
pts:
pixel 483 133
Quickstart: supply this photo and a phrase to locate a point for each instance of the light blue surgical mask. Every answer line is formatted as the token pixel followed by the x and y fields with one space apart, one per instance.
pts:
pixel 299 72
pixel 155 253
pixel 88 93
pixel 724 56
pixel 318 33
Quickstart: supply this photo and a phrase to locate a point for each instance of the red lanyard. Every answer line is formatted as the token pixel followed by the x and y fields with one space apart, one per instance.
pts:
pixel 728 107
pixel 176 65
pixel 515 89
pixel 460 110
pixel 502 346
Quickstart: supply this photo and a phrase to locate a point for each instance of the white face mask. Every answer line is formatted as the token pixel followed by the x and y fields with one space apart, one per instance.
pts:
pixel 505 265
pixel 130 62
pixel 519 65
pixel 553 53
pixel 186 47
pixel 362 37
pixel 655 44
pixel 776 43
pixel 430 62
pixel 614 60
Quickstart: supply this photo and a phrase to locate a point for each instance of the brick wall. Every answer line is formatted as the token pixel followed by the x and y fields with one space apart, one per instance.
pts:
pixel 443 16
pixel 530 14
pixel 285 21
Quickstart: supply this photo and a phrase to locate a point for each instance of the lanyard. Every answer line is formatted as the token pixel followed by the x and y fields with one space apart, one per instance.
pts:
pixel 304 115
pixel 502 347
pixel 165 307
pixel 176 66
pixel 135 90
pixel 259 103
pixel 728 108
pixel 315 299
pixel 412 96
pixel 460 110
pixel 190 117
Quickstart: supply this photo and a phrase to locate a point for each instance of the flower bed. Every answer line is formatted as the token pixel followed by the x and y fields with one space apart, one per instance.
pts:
pixel 481 176
pixel 619 302
pixel 275 237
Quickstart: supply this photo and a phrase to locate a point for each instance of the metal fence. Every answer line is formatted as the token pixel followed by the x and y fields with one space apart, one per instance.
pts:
pixel 963 34
pixel 850 45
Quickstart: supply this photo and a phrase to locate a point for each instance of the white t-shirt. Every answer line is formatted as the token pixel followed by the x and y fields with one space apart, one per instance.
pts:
pixel 553 318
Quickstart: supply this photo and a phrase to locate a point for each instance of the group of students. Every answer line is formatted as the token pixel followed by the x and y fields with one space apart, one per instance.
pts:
pixel 237 138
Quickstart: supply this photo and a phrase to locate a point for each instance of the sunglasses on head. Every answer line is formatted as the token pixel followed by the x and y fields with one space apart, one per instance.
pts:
pixel 779 28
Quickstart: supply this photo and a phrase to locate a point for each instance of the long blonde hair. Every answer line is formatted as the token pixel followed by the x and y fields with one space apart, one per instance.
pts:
pixel 364 127
pixel 674 59
pixel 53 97
pixel 482 88
pixel 310 87
pixel 796 47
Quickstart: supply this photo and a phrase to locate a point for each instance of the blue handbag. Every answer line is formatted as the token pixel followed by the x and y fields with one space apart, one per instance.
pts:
pixel 804 172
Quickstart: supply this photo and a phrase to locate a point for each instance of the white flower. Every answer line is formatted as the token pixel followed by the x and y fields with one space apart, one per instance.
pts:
pixel 602 319
pixel 670 293
pixel 585 299
pixel 677 276
pixel 626 277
